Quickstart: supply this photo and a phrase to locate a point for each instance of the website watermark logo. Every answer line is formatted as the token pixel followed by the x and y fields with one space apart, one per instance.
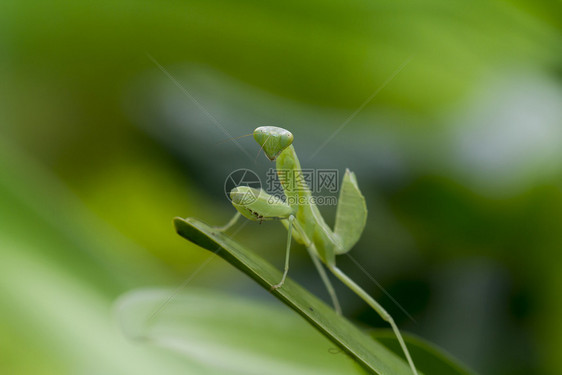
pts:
pixel 242 177
pixel 289 186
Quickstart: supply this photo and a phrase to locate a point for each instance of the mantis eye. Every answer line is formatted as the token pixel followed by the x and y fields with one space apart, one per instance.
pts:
pixel 273 140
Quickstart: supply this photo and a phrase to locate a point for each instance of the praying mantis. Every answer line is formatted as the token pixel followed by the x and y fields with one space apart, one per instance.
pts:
pixel 303 221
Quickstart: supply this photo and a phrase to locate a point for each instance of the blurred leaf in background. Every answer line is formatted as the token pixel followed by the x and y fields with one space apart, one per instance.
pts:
pixel 458 156
pixel 199 325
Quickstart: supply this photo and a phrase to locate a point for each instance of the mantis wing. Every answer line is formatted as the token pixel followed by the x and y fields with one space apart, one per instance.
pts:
pixel 351 214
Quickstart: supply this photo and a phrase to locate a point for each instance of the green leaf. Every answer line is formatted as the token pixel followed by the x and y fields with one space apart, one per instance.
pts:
pixel 370 354
pixel 231 334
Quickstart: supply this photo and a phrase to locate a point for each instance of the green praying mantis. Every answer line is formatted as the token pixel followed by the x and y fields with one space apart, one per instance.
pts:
pixel 300 215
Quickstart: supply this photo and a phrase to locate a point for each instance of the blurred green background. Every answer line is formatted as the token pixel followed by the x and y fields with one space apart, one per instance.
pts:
pixel 459 155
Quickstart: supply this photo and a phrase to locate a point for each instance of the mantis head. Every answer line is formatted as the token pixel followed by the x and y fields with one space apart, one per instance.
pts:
pixel 273 140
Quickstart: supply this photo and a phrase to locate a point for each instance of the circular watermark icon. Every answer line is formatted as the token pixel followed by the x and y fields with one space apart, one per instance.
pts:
pixel 242 177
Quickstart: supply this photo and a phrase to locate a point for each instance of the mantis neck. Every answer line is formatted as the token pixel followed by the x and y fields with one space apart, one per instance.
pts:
pixel 299 197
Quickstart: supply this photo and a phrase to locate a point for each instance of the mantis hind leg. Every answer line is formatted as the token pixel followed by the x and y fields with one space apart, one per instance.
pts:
pixel 326 281
pixel 377 307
